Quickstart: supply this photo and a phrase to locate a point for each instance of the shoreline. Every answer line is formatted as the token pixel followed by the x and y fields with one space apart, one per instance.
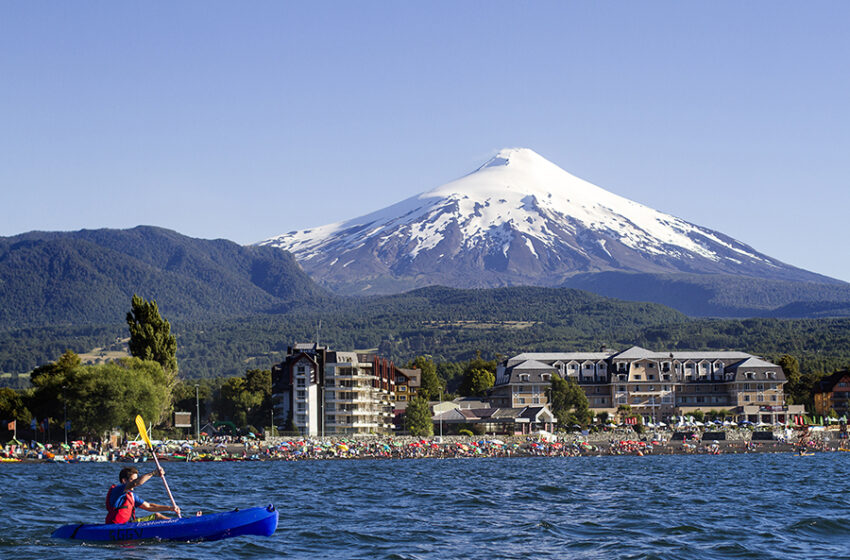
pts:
pixel 434 448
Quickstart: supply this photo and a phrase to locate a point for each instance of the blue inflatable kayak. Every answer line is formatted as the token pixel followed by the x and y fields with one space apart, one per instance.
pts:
pixel 252 521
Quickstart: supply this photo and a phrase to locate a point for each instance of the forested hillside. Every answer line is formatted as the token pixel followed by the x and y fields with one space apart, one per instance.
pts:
pixel 88 277
pixel 452 325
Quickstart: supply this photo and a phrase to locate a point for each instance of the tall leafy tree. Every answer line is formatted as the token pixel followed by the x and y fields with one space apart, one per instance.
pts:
pixel 478 376
pixel 431 386
pixel 568 402
pixel 12 406
pixel 476 382
pixel 417 418
pixel 49 385
pixel 794 390
pixel 246 399
pixel 110 395
pixel 150 335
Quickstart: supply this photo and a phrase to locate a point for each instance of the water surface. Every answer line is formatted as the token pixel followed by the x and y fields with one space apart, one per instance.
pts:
pixel 727 506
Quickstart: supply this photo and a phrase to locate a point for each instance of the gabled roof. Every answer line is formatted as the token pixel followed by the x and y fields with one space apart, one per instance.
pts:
pixel 752 362
pixel 532 365
pixel 635 353
pixel 534 413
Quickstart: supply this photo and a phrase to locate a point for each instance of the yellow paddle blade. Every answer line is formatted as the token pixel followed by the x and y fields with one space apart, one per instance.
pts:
pixel 142 430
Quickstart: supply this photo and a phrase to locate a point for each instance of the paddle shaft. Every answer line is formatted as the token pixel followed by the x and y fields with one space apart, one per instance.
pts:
pixel 167 489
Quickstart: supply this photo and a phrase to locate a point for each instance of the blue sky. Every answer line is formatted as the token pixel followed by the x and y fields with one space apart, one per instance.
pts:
pixel 247 120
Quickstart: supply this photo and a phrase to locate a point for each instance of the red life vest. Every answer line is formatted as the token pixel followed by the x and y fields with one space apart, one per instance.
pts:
pixel 126 512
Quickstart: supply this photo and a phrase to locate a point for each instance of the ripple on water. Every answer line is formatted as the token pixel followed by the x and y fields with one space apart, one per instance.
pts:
pixel 611 507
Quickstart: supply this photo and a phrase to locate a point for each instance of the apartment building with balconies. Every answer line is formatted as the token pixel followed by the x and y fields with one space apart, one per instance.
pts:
pixel 319 392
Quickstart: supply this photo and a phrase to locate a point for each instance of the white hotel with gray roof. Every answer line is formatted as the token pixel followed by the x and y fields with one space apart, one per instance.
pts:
pixel 656 385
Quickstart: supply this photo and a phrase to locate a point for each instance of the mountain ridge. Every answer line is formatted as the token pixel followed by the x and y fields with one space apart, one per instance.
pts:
pixel 89 276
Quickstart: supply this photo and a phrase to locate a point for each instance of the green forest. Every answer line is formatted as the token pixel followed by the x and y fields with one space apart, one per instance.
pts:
pixel 448 325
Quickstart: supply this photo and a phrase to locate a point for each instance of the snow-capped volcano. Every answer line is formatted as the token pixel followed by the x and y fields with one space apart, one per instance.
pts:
pixel 518 219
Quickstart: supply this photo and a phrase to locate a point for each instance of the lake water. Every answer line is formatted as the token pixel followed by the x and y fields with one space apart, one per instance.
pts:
pixel 727 506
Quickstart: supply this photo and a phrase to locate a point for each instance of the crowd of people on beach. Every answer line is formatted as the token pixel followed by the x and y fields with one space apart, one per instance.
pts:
pixel 230 448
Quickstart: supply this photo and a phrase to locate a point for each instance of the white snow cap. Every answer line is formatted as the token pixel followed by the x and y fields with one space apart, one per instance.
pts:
pixel 525 191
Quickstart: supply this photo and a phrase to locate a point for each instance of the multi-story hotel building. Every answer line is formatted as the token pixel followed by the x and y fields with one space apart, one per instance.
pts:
pixel 320 392
pixel 656 385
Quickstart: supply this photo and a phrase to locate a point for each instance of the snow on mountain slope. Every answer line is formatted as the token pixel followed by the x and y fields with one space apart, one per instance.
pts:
pixel 518 219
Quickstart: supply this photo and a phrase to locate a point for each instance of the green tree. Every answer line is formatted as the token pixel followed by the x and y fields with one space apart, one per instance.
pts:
pixel 150 335
pixel 417 418
pixel 451 375
pixel 12 406
pixel 49 383
pixel 568 402
pixel 236 402
pixel 431 386
pixel 793 387
pixel 106 396
pixel 476 382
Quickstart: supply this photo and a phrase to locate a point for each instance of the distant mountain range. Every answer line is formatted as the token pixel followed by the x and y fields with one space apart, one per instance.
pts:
pixel 521 220
pixel 517 220
pixel 89 277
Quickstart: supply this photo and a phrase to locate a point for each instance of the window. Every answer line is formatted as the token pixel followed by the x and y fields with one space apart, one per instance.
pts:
pixel 621 387
pixel 301 394
pixel 301 382
pixel 746 398
pixel 402 397
pixel 650 377
pixel 773 398
pixel 402 389
pixel 638 377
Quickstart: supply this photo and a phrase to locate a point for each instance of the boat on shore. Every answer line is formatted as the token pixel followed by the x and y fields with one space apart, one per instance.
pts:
pixel 260 521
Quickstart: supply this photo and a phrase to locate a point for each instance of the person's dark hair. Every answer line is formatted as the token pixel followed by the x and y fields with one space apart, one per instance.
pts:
pixel 126 473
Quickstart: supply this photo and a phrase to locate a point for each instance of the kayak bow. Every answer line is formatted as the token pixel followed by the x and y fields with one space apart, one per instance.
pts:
pixel 252 521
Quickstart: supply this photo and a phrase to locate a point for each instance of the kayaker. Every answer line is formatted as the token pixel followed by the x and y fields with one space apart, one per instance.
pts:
pixel 121 501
